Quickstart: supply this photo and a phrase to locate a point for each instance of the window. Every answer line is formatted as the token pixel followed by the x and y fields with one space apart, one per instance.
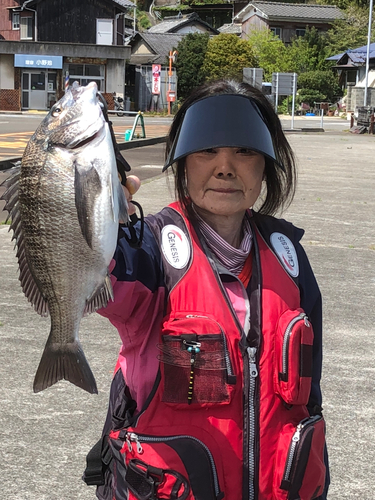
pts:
pixel 27 26
pixel 276 31
pixel 15 20
pixel 300 32
pixel 85 73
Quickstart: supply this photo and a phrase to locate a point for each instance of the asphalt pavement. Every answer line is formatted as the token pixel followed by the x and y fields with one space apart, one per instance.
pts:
pixel 44 437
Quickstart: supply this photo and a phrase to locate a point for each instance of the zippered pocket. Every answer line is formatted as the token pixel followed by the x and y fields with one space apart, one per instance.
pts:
pixel 195 362
pixel 293 350
pixel 300 470
pixel 171 464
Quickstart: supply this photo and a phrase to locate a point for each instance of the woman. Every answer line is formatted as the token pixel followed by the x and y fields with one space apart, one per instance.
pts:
pixel 217 389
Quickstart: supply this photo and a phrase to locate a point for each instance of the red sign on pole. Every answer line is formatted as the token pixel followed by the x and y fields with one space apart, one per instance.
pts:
pixel 156 73
pixel 171 96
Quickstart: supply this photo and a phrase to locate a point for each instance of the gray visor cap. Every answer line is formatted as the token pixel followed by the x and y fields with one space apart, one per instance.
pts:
pixel 225 120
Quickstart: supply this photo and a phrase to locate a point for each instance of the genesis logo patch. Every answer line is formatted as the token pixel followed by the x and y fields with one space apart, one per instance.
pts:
pixel 175 246
pixel 286 253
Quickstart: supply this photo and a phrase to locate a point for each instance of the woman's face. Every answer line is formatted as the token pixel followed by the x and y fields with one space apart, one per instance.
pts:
pixel 224 181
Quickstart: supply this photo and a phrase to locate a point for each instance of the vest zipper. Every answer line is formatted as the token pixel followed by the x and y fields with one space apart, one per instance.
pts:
pixel 253 372
pixel 249 423
pixel 228 363
pixel 295 443
pixel 287 335
pixel 132 437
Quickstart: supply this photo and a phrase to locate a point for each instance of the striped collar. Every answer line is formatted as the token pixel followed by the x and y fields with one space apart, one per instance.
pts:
pixel 230 257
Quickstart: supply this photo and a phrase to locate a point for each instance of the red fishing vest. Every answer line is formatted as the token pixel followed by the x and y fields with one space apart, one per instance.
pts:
pixel 227 415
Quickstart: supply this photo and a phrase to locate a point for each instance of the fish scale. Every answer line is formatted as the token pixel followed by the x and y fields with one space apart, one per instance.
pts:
pixel 65 207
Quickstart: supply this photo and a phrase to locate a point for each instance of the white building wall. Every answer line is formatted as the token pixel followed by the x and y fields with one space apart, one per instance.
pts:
pixel 193 28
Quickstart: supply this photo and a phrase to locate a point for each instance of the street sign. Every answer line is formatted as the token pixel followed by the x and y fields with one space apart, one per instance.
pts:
pixel 171 96
pixel 283 83
pixel 253 76
pixel 38 61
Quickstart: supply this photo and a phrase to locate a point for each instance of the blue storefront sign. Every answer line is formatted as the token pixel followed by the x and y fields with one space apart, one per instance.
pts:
pixel 38 61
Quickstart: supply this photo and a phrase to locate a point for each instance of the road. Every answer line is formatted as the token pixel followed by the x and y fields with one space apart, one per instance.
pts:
pixel 45 437
pixel 146 162
pixel 16 130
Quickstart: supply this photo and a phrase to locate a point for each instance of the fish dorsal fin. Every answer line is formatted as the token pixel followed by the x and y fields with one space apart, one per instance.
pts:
pixel 100 297
pixel 28 284
pixel 87 186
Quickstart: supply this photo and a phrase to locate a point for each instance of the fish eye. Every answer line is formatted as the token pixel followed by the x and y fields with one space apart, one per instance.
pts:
pixel 56 112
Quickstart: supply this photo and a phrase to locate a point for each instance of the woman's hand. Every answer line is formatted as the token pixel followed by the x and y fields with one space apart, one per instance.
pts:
pixel 132 185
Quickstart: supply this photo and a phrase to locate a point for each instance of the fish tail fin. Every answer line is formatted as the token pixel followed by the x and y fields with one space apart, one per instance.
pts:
pixel 64 361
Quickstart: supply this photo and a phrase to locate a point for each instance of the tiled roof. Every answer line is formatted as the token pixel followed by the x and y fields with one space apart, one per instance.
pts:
pixel 160 44
pixel 233 28
pixel 308 12
pixel 173 24
pixel 124 3
pixel 355 57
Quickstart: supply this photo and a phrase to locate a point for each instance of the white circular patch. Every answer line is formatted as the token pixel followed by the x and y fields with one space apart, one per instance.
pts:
pixel 286 253
pixel 175 246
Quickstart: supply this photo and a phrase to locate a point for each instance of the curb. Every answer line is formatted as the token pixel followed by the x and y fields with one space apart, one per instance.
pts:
pixel 306 129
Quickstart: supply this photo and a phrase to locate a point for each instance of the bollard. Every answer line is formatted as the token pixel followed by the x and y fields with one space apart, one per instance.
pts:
pixel 352 120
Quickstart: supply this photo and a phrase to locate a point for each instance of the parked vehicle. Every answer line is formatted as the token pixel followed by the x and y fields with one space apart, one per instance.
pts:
pixel 119 104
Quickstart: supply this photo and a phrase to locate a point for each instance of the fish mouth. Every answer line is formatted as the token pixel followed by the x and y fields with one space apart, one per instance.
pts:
pixel 88 140
pixel 96 135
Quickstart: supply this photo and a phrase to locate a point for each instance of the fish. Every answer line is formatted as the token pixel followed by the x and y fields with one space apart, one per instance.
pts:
pixel 64 200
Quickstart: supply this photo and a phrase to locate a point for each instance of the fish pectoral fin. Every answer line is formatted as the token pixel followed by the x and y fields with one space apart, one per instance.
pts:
pixel 28 283
pixel 87 187
pixel 100 297
pixel 123 214
pixel 64 361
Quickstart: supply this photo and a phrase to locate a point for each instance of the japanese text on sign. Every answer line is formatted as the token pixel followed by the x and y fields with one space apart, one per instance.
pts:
pixel 156 73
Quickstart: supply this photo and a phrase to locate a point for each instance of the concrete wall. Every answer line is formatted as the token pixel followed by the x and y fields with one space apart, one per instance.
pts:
pixel 115 76
pixel 6 71
pixel 66 49
pixel 356 95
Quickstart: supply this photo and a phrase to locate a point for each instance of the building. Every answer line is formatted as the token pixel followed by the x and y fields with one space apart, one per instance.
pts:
pixel 48 43
pixel 286 20
pixel 351 65
pixel 149 49
pixel 351 68
pixel 183 24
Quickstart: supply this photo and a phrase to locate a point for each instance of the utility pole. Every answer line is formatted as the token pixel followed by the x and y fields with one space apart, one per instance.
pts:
pixel 172 57
pixel 368 51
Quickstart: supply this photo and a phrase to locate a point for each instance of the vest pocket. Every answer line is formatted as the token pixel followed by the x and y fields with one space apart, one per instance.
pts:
pixel 293 350
pixel 300 470
pixel 195 362
pixel 188 458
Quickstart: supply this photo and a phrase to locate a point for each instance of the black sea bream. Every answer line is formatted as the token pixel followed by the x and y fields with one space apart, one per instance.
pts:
pixel 65 202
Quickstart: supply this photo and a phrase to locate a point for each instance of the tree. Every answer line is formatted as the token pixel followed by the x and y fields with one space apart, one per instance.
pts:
pixel 191 53
pixel 308 53
pixel 349 33
pixel 226 57
pixel 318 86
pixel 270 52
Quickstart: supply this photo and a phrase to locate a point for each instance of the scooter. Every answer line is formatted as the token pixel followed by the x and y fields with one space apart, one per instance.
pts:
pixel 119 107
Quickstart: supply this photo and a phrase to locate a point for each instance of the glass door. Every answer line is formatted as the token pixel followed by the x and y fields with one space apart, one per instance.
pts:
pixel 38 94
